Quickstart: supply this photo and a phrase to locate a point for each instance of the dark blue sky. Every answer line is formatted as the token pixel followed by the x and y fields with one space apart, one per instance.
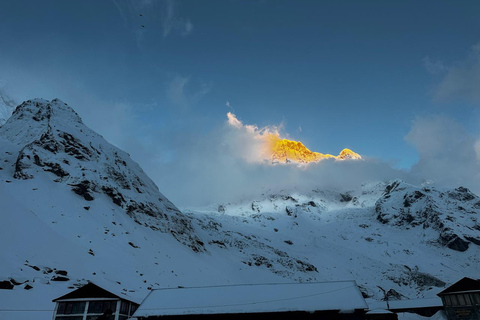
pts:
pixel 338 74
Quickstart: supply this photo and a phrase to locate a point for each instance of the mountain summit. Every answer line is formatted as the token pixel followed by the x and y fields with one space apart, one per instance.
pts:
pixel 49 140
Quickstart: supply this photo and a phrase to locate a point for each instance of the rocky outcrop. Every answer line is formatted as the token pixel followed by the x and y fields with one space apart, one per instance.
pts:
pixel 452 213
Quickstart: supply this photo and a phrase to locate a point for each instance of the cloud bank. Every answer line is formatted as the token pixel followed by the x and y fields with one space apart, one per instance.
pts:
pixel 222 165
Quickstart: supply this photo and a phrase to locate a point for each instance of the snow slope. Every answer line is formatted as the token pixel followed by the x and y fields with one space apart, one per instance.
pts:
pixel 345 235
pixel 75 208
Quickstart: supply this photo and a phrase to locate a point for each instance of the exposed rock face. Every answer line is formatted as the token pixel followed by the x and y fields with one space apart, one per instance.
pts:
pixel 451 214
pixel 53 141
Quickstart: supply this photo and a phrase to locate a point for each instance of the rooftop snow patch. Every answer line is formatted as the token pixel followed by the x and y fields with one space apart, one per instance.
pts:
pixel 258 298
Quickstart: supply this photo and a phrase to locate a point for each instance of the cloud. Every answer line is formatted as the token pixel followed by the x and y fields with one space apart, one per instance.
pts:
pixel 461 80
pixel 7 105
pixel 434 67
pixel 182 93
pixel 447 154
pixel 222 165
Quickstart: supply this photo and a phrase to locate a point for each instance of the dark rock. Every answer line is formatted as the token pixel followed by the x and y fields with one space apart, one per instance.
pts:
pixel 7 285
pixel 345 197
pixel 116 196
pixel 305 266
pixel 461 194
pixel 91 252
pixel 288 242
pixel 473 240
pixel 59 278
pixel 56 169
pixel 133 246
pixel 364 291
pixel 255 206
pixel 83 189
pixel 47 270
pixel 33 267
pixel 218 243
pixel 221 209
pixel 86 208
pixel 28 287
pixel 454 242
pixel 392 295
pixel 61 272
pixel 290 210
pixel 426 280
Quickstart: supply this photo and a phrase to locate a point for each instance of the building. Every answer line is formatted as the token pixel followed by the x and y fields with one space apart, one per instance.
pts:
pixel 319 300
pixel 425 307
pixel 462 300
pixel 91 301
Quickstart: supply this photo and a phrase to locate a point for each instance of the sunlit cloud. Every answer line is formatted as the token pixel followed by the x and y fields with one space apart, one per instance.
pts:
pixel 268 144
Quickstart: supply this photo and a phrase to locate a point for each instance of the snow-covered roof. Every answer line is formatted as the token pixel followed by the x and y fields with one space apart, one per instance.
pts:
pixel 430 302
pixel 257 298
pixel 416 303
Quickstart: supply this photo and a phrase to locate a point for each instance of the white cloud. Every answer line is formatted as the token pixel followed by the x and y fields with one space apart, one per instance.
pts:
pixel 223 165
pixel 170 21
pixel 447 154
pixel 461 80
pixel 434 67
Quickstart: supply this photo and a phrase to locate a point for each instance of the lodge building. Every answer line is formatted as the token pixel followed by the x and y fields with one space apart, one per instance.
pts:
pixel 462 300
pixel 90 302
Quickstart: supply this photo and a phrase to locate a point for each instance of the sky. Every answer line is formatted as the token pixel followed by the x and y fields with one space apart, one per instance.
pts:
pixel 396 81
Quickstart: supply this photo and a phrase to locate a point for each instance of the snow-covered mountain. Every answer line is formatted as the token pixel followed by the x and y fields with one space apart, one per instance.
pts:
pixel 75 208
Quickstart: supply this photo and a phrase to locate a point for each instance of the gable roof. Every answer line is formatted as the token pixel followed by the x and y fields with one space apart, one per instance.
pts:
pixel 256 298
pixel 465 284
pixel 91 290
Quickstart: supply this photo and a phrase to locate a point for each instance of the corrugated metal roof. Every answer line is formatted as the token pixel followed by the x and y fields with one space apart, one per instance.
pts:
pixel 256 298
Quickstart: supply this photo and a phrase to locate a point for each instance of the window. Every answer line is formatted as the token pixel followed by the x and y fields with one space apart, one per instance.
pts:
pixel 468 301
pixel 77 307
pixel 448 300
pixel 476 298
pixel 101 306
pixel 124 307
pixel 454 300
pixel 461 299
